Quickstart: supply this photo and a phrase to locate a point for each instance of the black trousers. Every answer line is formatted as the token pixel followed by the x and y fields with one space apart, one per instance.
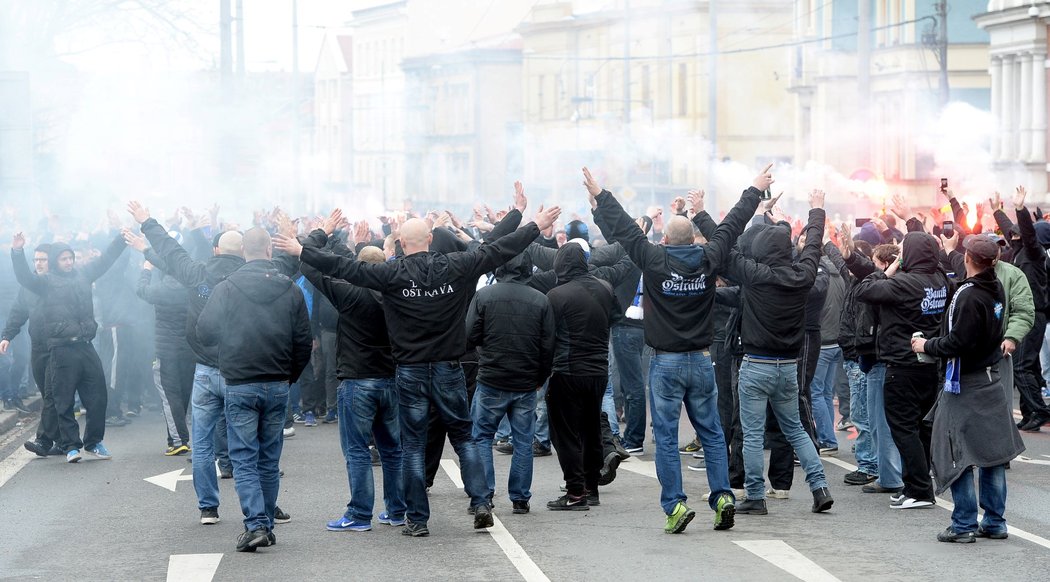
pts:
pixel 75 368
pixel 574 406
pixel 176 378
pixel 437 432
pixel 312 389
pixel 807 368
pixel 1028 374
pixel 910 393
pixel 329 348
pixel 47 430
pixel 727 403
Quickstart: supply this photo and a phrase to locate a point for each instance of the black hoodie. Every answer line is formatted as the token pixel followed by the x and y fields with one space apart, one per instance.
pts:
pixel 583 308
pixel 426 294
pixel 512 326
pixel 678 282
pixel 976 321
pixel 257 319
pixel 66 305
pixel 774 289
pixel 912 300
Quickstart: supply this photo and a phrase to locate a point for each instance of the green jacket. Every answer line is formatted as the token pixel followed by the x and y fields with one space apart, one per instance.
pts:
pixel 1020 307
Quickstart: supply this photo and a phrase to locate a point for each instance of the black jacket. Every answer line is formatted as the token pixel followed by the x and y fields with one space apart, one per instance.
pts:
pixel 583 308
pixel 1028 254
pixel 512 325
pixel 973 329
pixel 66 304
pixel 425 295
pixel 257 319
pixel 912 300
pixel 774 290
pixel 678 281
pixel 23 310
pixel 363 345
pixel 170 302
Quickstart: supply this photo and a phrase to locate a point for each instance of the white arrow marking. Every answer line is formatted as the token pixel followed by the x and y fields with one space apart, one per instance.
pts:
pixel 193 567
pixel 646 468
pixel 169 480
pixel 1025 459
pixel 788 559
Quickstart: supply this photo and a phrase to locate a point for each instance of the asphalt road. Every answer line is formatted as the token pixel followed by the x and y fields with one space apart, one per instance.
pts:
pixel 100 520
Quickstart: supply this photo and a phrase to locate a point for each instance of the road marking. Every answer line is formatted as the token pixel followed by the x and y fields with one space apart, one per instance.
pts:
pixel 635 465
pixel 14 463
pixel 510 546
pixel 1024 459
pixel 193 567
pixel 169 480
pixel 839 462
pixel 788 559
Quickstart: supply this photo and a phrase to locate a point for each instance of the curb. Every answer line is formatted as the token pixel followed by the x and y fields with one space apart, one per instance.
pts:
pixel 10 420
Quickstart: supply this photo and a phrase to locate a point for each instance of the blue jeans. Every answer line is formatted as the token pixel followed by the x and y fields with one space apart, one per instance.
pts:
pixel 543 427
pixel 677 379
pixel 255 415
pixel 490 405
pixel 889 458
pixel 822 394
pixel 609 408
pixel 628 342
pixel 867 459
pixel 208 432
pixel 369 407
pixel 502 432
pixel 777 385
pixel 440 385
pixel 993 500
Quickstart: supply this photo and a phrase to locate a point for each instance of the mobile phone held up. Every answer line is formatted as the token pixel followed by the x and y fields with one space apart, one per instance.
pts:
pixel 862 221
pixel 944 185
pixel 948 228
pixel 766 195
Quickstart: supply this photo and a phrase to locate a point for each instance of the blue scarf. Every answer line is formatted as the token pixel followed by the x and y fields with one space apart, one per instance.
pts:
pixel 951 371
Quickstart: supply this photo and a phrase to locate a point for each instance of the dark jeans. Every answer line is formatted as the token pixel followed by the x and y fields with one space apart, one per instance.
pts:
pixel 74 368
pixel 574 406
pixel 1028 374
pixel 627 343
pixel 329 346
pixel 911 392
pixel 489 407
pixel 992 500
pixel 842 392
pixel 369 407
pixel 255 416
pixel 436 429
pixel 436 386
pixel 176 378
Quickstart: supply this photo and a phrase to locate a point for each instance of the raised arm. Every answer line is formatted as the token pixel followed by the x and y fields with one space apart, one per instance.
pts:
pixel 1026 227
pixel 721 242
pixel 25 277
pixel 179 263
pixel 95 269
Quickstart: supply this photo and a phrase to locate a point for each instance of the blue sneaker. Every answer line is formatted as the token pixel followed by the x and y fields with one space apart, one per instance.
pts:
pixel 345 524
pixel 385 518
pixel 330 418
pixel 100 452
pixel 73 456
pixel 309 419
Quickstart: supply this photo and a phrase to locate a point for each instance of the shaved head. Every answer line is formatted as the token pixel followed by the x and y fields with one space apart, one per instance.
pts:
pixel 231 243
pixel 679 231
pixel 415 236
pixel 371 255
pixel 257 245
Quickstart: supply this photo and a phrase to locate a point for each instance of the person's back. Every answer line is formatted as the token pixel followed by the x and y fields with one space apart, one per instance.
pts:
pixel 583 309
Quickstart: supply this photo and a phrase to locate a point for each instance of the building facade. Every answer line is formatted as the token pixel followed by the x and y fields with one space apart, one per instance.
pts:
pixel 332 161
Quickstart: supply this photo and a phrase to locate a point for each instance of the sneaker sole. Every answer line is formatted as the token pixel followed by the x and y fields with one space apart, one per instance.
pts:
pixel 415 534
pixel 923 506
pixel 392 523
pixel 329 528
pixel 484 523
pixel 570 508
pixel 681 524
pixel 726 519
pixel 209 520
pixel 608 474
pixel 823 506
pixel 73 460
pixel 520 511
pixel 281 521
pixel 685 452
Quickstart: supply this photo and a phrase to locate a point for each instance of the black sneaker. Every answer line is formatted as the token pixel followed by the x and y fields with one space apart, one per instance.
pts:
pixel 210 516
pixel 858 478
pixel 521 507
pixel 624 455
pixel 876 488
pixel 569 502
pixel 998 535
pixel 539 450
pixel 226 473
pixel 593 500
pixel 949 535
pixel 415 530
pixel 55 451
pixel 1035 423
pixel 752 507
pixel 608 474
pixel 504 448
pixel 473 509
pixel 250 540
pixel 483 517
pixel 36 448
pixel 822 500
pixel 15 404
pixel 117 421
pixel 272 538
pixel 280 516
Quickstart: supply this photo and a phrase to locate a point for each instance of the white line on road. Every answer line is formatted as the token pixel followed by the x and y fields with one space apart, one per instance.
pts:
pixel 193 567
pixel 14 463
pixel 510 546
pixel 647 468
pixel 788 559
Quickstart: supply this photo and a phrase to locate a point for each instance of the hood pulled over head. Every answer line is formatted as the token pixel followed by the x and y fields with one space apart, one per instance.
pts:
pixel 919 253
pixel 570 263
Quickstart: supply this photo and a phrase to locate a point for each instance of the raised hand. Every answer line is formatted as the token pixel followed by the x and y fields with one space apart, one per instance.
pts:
pixel 442 220
pixel 764 179
pixel 332 222
pixel 1019 196
pixel 770 204
pixel 696 200
pixel 133 240
pixel 545 218
pixel 138 212
pixel 678 205
pixel 816 199
pixel 900 207
pixel 287 244
pixel 520 201
pixel 590 183
pixel 18 242
pixel 362 233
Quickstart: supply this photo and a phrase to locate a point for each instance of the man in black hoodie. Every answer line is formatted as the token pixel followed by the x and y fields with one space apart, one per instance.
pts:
pixel 911 295
pixel 425 299
pixel 678 301
pixel 512 326
pixel 69 326
pixel 257 319
pixel 774 293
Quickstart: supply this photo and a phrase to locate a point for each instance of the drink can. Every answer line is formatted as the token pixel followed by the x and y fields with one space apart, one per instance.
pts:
pixel 923 358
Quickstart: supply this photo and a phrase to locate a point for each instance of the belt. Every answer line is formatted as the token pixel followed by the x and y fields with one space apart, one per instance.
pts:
pixel 665 353
pixel 769 360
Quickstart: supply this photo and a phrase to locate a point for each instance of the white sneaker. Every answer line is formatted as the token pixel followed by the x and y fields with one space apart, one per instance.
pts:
pixel 778 493
pixel 289 432
pixel 706 496
pixel 910 503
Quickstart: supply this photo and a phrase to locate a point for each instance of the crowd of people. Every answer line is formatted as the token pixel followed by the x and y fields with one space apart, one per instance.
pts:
pixel 521 339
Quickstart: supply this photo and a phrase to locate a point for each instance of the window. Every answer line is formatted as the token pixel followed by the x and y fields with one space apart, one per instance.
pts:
pixel 683 89
pixel 645 85
pixel 540 111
